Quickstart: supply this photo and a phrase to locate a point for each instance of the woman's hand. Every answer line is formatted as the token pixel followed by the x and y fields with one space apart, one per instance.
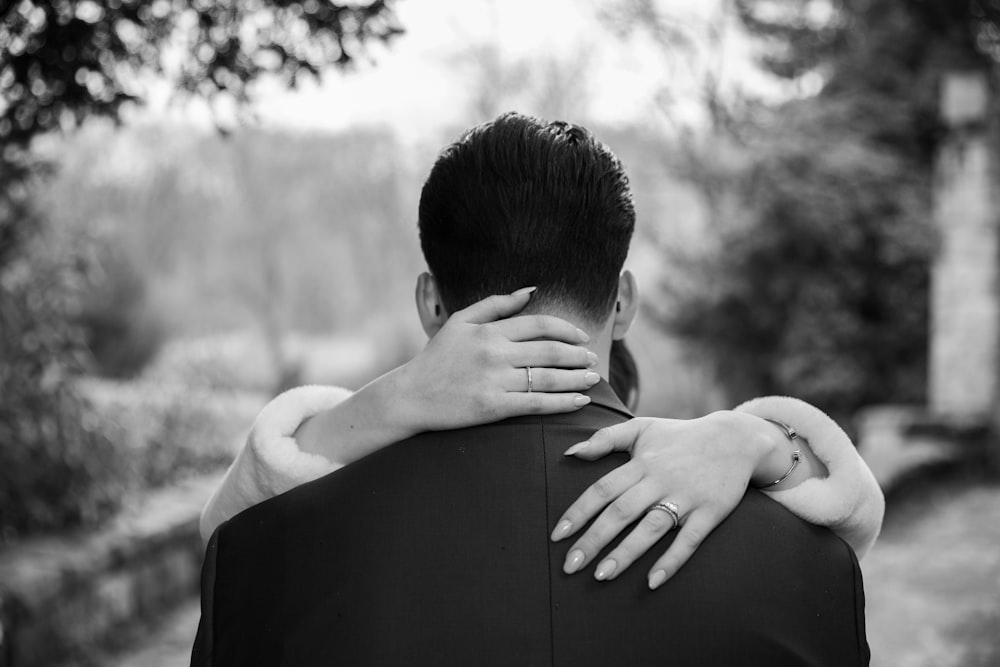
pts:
pixel 473 371
pixel 703 466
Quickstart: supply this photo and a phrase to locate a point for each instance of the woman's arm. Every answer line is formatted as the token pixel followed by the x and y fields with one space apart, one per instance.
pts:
pixel 680 461
pixel 290 444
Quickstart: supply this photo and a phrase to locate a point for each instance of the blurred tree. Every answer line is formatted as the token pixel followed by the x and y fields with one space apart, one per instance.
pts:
pixel 62 61
pixel 816 282
pixel 120 329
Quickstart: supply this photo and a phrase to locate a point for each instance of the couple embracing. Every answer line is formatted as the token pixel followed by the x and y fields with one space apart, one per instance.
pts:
pixel 466 508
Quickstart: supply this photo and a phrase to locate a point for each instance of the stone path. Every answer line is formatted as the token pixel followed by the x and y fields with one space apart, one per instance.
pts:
pixel 933 579
pixel 933 587
pixel 167 646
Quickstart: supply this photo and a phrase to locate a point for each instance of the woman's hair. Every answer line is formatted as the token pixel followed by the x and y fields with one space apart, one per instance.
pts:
pixel 518 201
pixel 624 374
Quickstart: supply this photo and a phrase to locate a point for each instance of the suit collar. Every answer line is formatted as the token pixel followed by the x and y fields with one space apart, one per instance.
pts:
pixel 602 394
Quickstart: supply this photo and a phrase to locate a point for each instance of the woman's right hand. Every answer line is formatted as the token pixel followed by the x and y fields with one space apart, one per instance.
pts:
pixel 474 370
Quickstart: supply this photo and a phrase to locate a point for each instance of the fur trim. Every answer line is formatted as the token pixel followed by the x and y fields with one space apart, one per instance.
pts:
pixel 848 501
pixel 271 462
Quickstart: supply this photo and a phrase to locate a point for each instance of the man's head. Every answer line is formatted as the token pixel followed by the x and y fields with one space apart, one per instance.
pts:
pixel 518 202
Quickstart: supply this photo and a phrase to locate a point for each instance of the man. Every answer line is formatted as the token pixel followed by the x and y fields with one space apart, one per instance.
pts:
pixel 436 550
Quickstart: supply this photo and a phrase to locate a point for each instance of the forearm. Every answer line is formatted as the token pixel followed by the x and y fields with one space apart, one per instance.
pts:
pixel 308 432
pixel 368 420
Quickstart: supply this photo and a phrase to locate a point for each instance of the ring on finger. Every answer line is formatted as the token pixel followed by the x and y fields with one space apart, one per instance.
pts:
pixel 670 508
pixel 530 381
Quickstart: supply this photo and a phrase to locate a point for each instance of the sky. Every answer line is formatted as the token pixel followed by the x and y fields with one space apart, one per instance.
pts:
pixel 416 86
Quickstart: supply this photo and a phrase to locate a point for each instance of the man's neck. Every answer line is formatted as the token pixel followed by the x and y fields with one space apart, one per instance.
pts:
pixel 600 336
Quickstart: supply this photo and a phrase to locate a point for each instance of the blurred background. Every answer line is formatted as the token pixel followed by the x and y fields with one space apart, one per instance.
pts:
pixel 203 203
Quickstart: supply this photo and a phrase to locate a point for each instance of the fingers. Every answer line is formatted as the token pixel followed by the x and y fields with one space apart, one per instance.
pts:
pixel 495 307
pixel 531 327
pixel 552 380
pixel 537 403
pixel 551 354
pixel 653 526
pixel 612 521
pixel 595 498
pixel 694 530
pixel 620 437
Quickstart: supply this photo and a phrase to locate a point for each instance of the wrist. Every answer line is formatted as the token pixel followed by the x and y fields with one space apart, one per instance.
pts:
pixel 769 445
pixel 757 444
pixel 782 460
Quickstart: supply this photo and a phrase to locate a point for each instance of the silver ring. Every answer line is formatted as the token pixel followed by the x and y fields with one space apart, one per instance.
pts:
pixel 670 508
pixel 530 382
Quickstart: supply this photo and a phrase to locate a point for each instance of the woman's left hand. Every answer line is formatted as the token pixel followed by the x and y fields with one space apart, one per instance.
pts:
pixel 702 465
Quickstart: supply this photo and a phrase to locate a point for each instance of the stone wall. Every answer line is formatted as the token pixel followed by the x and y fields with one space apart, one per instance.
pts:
pixel 60 598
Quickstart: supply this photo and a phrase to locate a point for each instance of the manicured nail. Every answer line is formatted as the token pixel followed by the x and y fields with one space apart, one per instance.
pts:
pixel 562 530
pixel 580 401
pixel 582 335
pixel 591 378
pixel 574 561
pixel 605 569
pixel 591 359
pixel 523 291
pixel 578 447
pixel 656 579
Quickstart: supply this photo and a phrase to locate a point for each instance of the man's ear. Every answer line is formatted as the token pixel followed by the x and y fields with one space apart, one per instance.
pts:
pixel 429 306
pixel 627 305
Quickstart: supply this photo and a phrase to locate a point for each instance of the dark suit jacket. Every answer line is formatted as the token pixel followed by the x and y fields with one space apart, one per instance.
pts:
pixel 435 551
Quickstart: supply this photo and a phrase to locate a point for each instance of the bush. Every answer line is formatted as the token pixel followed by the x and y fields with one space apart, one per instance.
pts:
pixel 56 468
pixel 70 453
pixel 816 286
pixel 122 332
pixel 167 431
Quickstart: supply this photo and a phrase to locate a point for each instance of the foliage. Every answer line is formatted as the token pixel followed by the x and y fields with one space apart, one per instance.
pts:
pixel 162 432
pixel 120 329
pixel 819 289
pixel 56 469
pixel 62 61
pixel 818 285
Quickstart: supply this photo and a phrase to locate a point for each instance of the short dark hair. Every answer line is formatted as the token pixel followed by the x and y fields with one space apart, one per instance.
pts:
pixel 518 202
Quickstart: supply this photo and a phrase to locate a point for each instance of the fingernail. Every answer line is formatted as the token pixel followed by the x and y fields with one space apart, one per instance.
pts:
pixel 656 579
pixel 578 447
pixel 580 401
pixel 523 291
pixel 582 335
pixel 591 359
pixel 591 378
pixel 562 530
pixel 574 561
pixel 605 569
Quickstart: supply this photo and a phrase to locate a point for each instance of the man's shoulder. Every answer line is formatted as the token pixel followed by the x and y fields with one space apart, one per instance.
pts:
pixel 423 459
